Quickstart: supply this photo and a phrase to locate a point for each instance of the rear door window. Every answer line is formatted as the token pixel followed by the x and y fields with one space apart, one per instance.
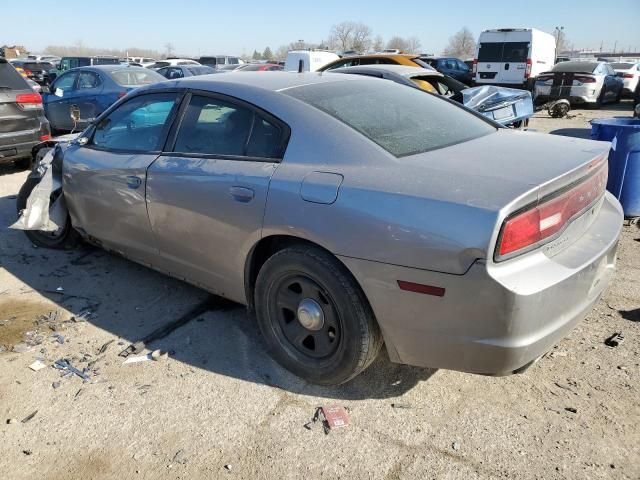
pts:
pixel 490 52
pixel 212 126
pixel 88 80
pixel 516 52
pixel 66 83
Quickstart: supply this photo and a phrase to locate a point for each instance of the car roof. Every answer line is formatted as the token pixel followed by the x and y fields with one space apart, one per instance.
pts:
pixel 384 55
pixel 273 81
pixel 404 70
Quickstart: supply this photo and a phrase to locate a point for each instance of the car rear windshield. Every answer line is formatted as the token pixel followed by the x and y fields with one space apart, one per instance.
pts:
pixel 587 67
pixel 622 66
pixel 10 79
pixel 404 121
pixel 503 52
pixel 106 61
pixel 130 78
pixel 38 65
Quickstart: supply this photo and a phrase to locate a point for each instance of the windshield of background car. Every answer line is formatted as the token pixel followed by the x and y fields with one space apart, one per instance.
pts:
pixel 10 79
pixel 404 121
pixel 204 70
pixel 588 67
pixel 38 66
pixel 127 77
pixel 106 61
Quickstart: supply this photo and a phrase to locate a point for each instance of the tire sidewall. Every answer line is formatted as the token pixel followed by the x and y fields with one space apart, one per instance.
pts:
pixel 325 271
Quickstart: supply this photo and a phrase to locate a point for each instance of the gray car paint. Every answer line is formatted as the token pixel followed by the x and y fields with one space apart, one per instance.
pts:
pixel 432 218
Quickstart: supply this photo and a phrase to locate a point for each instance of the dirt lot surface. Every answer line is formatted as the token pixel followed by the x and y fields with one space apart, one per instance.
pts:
pixel 219 407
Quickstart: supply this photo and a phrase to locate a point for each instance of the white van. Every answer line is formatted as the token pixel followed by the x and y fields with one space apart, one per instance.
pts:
pixel 312 60
pixel 513 57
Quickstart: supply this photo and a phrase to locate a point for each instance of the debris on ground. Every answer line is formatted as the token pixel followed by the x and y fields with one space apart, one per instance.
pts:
pixel 29 417
pixel 141 358
pixel 27 452
pixel 614 340
pixel 401 405
pixel 228 466
pixel 455 446
pixel 55 384
pixel 333 416
pixel 104 347
pixel 22 348
pixel 180 457
pixel 571 409
pixel 11 421
pixel 37 365
pixel 159 355
pixel 65 365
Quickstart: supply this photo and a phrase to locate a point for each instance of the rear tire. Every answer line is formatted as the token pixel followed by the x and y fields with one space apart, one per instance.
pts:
pixel 65 238
pixel 341 337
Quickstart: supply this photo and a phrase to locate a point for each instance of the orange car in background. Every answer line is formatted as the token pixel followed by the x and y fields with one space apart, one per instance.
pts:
pixel 378 59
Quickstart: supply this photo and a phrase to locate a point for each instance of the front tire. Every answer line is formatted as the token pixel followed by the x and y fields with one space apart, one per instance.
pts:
pixel 64 238
pixel 314 317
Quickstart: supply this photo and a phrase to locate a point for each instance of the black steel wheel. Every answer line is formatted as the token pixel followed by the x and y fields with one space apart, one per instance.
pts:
pixel 314 317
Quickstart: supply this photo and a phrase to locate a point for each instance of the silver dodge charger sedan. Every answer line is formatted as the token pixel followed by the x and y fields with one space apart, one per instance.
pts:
pixel 349 212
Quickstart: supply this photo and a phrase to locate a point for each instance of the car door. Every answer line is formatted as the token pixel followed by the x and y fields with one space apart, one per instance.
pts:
pixel 206 198
pixel 57 102
pixel 89 88
pixel 104 180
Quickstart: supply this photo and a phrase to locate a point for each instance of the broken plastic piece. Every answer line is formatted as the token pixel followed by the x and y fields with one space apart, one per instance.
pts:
pixel 37 365
pixel 614 340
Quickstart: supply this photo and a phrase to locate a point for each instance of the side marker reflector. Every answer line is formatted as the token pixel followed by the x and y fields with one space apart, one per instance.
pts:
pixel 420 288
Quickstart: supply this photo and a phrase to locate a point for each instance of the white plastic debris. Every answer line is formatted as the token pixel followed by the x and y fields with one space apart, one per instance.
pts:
pixel 37 365
pixel 141 358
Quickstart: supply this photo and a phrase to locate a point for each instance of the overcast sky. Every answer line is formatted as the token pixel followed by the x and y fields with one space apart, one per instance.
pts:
pixel 232 27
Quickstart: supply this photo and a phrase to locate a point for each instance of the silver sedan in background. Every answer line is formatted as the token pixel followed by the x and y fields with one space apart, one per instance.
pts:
pixel 349 212
pixel 580 82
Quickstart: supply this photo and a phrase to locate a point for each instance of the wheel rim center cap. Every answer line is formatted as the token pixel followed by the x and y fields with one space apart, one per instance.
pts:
pixel 310 314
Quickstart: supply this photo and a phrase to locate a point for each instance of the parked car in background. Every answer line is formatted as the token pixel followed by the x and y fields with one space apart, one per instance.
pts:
pixel 260 67
pixel 580 82
pixel 484 247
pixel 142 61
pixel 311 60
pixel 34 70
pixel 92 90
pixel 22 121
pixel 507 106
pixel 67 63
pixel 630 74
pixel 217 61
pixel 172 62
pixel 513 57
pixel 230 68
pixel 44 58
pixel 182 71
pixel 453 67
pixel 378 59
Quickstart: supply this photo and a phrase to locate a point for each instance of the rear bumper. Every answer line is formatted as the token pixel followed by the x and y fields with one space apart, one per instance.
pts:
pixel 8 153
pixel 18 144
pixel 576 95
pixel 496 318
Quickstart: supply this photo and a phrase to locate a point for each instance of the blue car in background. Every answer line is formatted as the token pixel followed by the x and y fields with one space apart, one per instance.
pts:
pixel 91 90
pixel 182 71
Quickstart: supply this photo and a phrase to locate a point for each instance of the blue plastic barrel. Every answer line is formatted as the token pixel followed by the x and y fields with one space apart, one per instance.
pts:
pixel 624 159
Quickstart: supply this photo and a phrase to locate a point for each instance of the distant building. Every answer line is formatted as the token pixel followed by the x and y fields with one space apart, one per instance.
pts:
pixel 13 52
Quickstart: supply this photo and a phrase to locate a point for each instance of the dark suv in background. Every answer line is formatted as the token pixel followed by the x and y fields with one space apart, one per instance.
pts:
pixel 22 121
pixel 36 71
pixel 453 67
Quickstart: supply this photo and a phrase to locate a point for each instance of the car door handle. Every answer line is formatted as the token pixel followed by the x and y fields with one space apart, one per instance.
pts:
pixel 133 181
pixel 242 194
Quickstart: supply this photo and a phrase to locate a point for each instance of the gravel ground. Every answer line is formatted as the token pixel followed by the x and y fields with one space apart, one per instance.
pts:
pixel 220 407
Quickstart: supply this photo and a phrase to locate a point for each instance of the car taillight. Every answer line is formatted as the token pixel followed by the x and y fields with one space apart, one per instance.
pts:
pixel 44 138
pixel 474 67
pixel 584 79
pixel 28 72
pixel 542 222
pixel 29 101
pixel 627 75
pixel 527 72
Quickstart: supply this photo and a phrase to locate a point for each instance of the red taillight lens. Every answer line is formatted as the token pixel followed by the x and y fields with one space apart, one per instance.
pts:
pixel 44 138
pixel 627 75
pixel 542 222
pixel 474 67
pixel 29 101
pixel 527 72
pixel 584 79
pixel 28 72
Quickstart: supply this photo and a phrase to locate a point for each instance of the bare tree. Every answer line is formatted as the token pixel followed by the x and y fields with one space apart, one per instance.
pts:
pixel 378 44
pixel 398 43
pixel 462 44
pixel 169 49
pixel 562 42
pixel 341 35
pixel 361 38
pixel 413 45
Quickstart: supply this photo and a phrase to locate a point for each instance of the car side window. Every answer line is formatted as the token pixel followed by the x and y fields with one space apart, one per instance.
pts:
pixel 216 127
pixel 88 80
pixel 137 125
pixel 462 66
pixel 65 83
pixel 343 63
pixel 174 73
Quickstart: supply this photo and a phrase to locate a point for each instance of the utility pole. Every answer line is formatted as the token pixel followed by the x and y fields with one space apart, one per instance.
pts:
pixel 614 46
pixel 556 33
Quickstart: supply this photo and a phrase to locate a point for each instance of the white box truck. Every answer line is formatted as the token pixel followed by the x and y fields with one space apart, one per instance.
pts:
pixel 513 57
